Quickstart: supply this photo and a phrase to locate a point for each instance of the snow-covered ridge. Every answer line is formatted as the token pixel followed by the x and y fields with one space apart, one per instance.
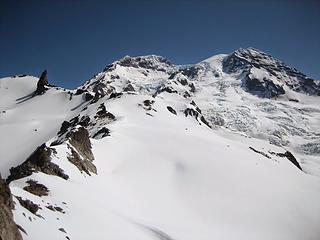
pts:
pixel 222 87
pixel 151 150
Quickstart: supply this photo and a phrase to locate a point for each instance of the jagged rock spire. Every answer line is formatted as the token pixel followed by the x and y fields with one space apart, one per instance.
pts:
pixel 43 81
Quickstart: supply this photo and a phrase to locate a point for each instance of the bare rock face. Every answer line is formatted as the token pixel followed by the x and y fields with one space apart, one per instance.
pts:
pixel 129 88
pixel 43 81
pixel 263 87
pixel 103 113
pixel 29 205
pixel 38 161
pixel 8 228
pixel 196 113
pixel 36 188
pixel 243 60
pixel 84 165
pixel 156 63
pixel 81 154
pixel 103 132
pixel 80 140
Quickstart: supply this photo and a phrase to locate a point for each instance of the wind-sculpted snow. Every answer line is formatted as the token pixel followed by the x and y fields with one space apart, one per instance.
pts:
pixel 154 150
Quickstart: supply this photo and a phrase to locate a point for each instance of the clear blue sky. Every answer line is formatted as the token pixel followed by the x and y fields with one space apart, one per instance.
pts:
pixel 75 39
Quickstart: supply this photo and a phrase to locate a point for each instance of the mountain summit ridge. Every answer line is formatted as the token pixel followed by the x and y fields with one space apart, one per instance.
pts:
pixel 260 73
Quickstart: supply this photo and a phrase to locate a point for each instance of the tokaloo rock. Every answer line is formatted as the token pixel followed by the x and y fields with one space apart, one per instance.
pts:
pixel 42 83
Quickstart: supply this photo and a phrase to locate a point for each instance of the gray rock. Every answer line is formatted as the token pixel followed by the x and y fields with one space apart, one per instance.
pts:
pixel 81 155
pixel 8 228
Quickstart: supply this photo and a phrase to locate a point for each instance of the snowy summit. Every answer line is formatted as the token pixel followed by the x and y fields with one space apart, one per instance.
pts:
pixel 228 148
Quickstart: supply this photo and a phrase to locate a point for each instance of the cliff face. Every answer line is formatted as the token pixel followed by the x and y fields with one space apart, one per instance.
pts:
pixel 8 228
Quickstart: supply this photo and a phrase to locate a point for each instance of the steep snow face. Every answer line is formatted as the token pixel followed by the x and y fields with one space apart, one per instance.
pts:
pixel 151 150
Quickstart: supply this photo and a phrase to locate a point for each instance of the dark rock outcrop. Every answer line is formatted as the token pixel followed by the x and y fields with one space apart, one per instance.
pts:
pixel 29 205
pixel 197 108
pixel 243 60
pixel 80 140
pixel 81 155
pixel 62 230
pixel 38 161
pixel 55 208
pixel 152 62
pixel 260 152
pixel 64 128
pixel 103 132
pixel 96 97
pixel 80 91
pixel 42 83
pixel 170 109
pixel 183 81
pixel 84 165
pixel 191 72
pixel 186 94
pixel 129 88
pixel 88 97
pixel 147 104
pixel 103 113
pixel 84 121
pixel 67 125
pixel 202 118
pixel 191 112
pixel 290 157
pixel 8 228
pixel 192 88
pixel 263 87
pixel 115 95
pixel 36 188
pixel 162 89
pixel 197 115
pixel 109 68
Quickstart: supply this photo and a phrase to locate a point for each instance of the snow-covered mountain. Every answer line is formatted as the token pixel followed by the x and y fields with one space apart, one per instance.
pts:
pixel 228 148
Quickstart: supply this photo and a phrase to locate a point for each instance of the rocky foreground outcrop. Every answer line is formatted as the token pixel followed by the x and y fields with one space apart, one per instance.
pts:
pixel 8 228
pixel 38 161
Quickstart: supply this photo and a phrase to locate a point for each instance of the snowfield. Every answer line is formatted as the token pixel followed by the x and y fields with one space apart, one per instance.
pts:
pixel 189 153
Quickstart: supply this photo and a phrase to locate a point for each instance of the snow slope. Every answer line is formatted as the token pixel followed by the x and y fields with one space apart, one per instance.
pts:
pixel 25 121
pixel 190 154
